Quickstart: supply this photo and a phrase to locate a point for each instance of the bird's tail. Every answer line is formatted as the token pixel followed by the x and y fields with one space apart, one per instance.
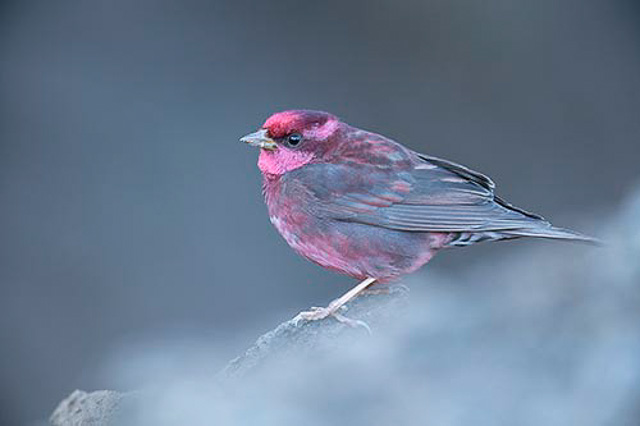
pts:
pixel 553 233
pixel 463 239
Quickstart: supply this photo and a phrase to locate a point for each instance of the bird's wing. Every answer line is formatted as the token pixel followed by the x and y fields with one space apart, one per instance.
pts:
pixel 420 194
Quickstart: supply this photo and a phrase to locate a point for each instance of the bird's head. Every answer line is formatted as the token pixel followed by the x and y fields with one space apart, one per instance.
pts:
pixel 291 139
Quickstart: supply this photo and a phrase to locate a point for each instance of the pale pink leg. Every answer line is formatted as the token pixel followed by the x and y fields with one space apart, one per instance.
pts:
pixel 333 307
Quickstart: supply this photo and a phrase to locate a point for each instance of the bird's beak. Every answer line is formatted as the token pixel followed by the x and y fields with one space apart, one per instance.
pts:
pixel 260 139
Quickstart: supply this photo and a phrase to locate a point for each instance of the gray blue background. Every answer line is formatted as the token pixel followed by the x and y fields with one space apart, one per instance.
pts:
pixel 130 215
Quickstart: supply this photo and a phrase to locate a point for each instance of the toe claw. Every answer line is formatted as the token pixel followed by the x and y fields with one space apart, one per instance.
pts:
pixel 315 314
pixel 352 323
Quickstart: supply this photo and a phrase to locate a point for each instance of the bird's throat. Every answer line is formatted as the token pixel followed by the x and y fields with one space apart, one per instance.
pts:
pixel 282 160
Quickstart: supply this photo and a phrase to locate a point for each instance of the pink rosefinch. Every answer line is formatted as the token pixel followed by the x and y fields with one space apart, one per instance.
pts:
pixel 363 205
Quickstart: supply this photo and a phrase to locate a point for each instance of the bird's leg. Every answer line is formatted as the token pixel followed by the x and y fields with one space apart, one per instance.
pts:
pixel 333 307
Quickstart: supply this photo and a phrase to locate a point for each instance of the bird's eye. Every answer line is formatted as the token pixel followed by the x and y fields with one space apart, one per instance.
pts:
pixel 294 139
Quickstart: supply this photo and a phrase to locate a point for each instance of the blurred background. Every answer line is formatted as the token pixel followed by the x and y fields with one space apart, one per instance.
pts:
pixel 131 217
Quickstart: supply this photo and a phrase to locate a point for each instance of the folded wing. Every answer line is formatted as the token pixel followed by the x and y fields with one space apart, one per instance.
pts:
pixel 427 194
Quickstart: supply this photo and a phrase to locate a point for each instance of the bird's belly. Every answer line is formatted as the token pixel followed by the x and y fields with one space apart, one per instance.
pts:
pixel 322 248
pixel 355 249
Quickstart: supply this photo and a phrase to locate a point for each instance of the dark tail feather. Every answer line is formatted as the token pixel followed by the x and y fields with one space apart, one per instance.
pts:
pixel 553 233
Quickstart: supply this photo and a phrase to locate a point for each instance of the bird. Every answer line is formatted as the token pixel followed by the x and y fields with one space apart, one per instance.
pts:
pixel 361 204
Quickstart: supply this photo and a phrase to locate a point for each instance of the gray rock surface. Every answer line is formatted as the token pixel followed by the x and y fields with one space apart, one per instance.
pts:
pixel 97 408
pixel 291 338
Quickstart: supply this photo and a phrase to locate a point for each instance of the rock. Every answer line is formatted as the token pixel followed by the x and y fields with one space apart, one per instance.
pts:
pixel 97 408
pixel 105 407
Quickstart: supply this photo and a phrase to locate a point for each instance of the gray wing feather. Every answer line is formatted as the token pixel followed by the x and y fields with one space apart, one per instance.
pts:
pixel 488 216
pixel 430 195
pixel 448 197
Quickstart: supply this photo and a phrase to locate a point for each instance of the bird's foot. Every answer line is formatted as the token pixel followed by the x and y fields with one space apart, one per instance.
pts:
pixel 352 323
pixel 386 290
pixel 317 313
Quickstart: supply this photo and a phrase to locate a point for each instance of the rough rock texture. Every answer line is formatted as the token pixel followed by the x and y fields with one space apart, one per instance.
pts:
pixel 87 409
pixel 293 337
